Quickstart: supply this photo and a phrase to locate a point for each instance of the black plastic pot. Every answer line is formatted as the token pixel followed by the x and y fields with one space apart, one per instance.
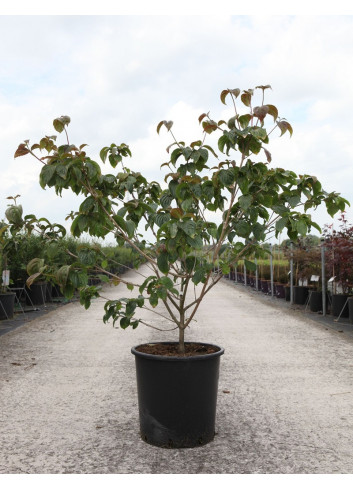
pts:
pixel 280 292
pixel 315 301
pixel 177 398
pixel 300 294
pixel 264 286
pixel 7 302
pixel 36 294
pixel 56 292
pixel 338 303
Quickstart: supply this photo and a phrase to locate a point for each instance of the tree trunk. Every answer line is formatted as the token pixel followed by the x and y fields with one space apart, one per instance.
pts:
pixel 181 346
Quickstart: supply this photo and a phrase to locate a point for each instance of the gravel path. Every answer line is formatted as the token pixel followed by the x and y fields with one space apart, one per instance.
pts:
pixel 68 396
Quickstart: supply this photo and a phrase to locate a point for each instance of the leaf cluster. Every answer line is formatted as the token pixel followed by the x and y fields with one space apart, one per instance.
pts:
pixel 216 206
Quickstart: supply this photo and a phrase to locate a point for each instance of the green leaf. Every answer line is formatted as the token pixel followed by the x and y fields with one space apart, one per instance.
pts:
pixel 14 214
pixel 281 224
pixel 60 122
pixel 103 154
pixel 195 242
pixel 188 227
pixel 130 286
pixel 226 177
pixel 186 205
pixel 153 300
pixel 190 262
pixel 130 227
pixel 280 209
pixel 250 265
pixel 166 200
pixel 120 220
pixel 103 278
pixel 162 262
pixel 198 276
pixel 243 229
pixel 244 120
pixel 245 201
pixel 124 322
pixel 82 222
pixel 61 170
pixel 161 218
pixel 302 227
pixel 46 174
pixel 173 229
pixel 293 200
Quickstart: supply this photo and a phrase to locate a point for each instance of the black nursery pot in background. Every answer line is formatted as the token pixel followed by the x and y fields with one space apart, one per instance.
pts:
pixel 300 294
pixel 339 305
pixel 36 294
pixel 7 303
pixel 177 398
pixel 315 301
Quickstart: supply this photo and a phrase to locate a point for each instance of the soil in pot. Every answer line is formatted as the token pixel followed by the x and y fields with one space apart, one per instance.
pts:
pixel 7 302
pixel 177 393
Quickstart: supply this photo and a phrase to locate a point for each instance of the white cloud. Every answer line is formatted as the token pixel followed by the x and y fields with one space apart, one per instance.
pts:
pixel 118 76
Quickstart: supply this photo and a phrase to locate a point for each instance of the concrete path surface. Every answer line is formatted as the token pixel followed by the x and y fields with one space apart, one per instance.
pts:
pixel 68 400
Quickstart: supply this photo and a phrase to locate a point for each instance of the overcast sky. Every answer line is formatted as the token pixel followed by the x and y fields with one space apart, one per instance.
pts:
pixel 117 76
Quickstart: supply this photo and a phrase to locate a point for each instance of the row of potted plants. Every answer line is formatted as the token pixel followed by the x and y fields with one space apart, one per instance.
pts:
pixel 337 304
pixel 31 257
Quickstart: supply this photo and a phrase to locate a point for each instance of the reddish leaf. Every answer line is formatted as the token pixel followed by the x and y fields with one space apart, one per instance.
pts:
pixel 268 155
pixel 209 126
pixel 167 124
pixel 235 92
pixel 285 126
pixel 176 213
pixel 261 112
pixel 263 87
pixel 246 98
pixel 272 110
pixel 202 116
pixel 21 150
pixel 223 96
pixel 196 143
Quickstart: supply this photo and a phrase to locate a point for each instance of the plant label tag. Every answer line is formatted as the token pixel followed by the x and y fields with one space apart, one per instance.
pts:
pixel 6 277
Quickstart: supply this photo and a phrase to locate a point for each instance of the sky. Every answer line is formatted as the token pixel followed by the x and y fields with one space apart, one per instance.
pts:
pixel 118 73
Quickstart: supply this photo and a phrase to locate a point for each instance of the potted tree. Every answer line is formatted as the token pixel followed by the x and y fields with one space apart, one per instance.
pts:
pixel 248 200
pixel 339 261
pixel 7 298
pixel 9 232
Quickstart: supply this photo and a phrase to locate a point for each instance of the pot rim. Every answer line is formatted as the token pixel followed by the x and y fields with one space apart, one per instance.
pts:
pixel 164 358
pixel 7 293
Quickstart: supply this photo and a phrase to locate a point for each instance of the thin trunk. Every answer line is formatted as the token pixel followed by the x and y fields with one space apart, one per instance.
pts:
pixel 181 345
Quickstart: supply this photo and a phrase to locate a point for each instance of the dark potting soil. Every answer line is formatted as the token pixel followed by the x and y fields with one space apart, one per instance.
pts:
pixel 171 349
